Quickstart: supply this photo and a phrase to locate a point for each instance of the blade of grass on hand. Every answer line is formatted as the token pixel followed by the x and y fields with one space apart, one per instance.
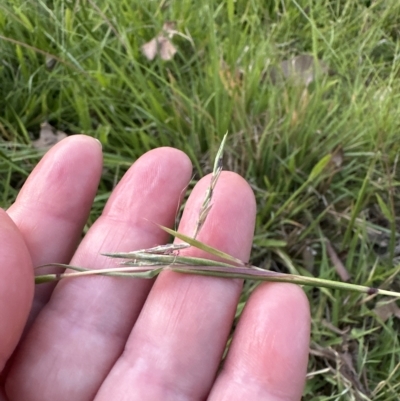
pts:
pixel 200 245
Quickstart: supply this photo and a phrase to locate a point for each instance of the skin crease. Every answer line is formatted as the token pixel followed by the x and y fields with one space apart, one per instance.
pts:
pixel 102 338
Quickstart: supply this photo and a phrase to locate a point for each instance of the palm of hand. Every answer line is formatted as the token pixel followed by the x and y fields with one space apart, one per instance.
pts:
pixel 103 338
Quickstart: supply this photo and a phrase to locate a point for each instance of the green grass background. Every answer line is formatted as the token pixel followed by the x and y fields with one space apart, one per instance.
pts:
pixel 103 86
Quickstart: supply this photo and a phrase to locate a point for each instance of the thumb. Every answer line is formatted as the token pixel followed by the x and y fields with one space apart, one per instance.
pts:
pixel 16 286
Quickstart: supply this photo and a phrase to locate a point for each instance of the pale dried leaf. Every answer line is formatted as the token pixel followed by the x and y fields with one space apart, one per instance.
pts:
pixel 169 27
pixel 387 308
pixel 166 49
pixel 301 69
pixel 335 329
pixel 150 49
pixel 161 45
pixel 337 157
pixel 48 137
pixel 339 266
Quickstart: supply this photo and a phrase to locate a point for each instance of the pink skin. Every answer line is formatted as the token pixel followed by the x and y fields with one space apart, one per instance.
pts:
pixel 16 286
pixel 103 338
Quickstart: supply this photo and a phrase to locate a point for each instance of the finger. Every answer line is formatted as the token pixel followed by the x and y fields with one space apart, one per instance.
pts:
pixel 2 395
pixel 176 345
pixel 268 356
pixel 16 286
pixel 83 329
pixel 54 203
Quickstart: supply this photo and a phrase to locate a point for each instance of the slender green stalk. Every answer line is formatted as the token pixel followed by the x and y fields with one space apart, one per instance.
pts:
pixel 257 274
pixel 148 263
pixel 205 267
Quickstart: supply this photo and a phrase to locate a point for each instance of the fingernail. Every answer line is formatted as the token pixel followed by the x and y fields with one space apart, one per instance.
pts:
pixel 101 146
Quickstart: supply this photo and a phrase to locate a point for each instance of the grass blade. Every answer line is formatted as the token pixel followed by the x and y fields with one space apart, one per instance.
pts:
pixel 249 272
pixel 200 245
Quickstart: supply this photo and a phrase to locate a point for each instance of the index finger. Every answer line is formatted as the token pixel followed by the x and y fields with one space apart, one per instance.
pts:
pixel 54 203
pixel 16 286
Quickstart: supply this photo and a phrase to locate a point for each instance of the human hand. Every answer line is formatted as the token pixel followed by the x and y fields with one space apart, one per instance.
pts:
pixel 106 338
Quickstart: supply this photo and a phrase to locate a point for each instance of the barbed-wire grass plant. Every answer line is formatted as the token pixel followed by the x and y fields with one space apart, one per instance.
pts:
pixel 148 263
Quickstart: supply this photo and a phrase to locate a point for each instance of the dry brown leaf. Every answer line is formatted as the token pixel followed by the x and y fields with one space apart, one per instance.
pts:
pixel 48 137
pixel 339 266
pixel 335 329
pixel 344 364
pixel 301 70
pixel 387 308
pixel 338 157
pixel 232 81
pixel 161 45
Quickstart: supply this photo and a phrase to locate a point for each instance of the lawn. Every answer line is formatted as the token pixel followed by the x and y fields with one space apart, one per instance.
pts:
pixel 80 65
